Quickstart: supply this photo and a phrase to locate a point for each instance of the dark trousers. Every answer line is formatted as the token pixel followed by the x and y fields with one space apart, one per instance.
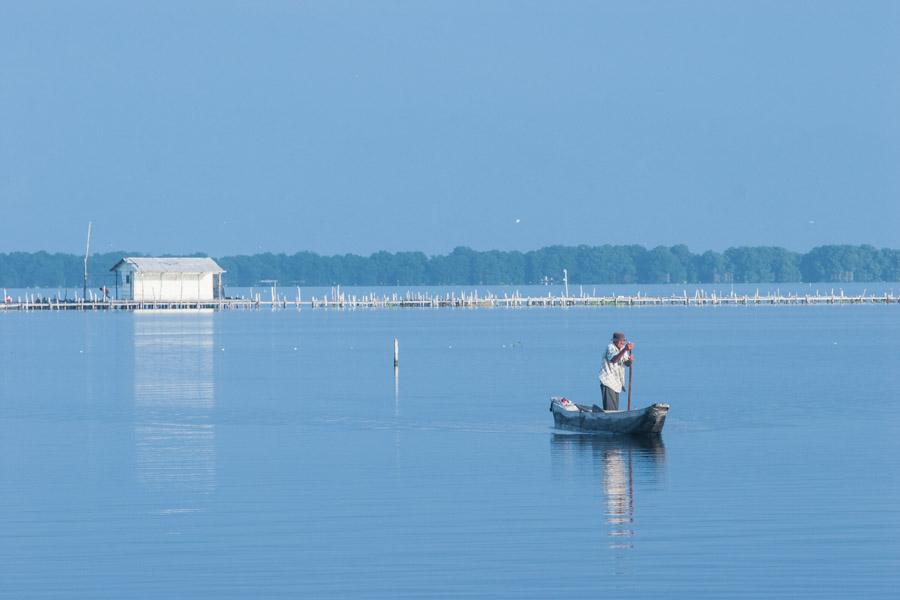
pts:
pixel 610 398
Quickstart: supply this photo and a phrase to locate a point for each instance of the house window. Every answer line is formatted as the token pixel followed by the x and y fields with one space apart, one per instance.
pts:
pixel 128 278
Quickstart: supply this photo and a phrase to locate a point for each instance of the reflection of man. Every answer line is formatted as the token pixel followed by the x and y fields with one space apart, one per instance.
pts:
pixel 612 373
pixel 618 488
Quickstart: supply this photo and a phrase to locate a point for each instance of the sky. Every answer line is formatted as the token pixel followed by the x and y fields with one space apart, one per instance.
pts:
pixel 351 127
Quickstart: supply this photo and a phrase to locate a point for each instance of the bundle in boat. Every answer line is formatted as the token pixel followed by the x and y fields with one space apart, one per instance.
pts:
pixel 580 417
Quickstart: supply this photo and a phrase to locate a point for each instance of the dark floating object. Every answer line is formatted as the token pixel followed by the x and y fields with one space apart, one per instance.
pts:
pixel 578 417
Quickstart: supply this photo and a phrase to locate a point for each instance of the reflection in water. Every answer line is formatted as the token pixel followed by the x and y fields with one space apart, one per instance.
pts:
pixel 621 460
pixel 397 461
pixel 174 398
pixel 396 391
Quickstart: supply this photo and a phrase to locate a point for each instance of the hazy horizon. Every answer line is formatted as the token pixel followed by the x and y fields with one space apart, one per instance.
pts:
pixel 139 252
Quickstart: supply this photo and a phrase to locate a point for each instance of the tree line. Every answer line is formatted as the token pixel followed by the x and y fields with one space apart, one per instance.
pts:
pixel 464 266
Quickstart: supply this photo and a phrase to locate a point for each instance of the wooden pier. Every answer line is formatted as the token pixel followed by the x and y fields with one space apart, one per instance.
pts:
pixel 341 300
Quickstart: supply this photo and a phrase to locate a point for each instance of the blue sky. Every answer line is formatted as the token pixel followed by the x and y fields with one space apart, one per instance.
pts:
pixel 238 127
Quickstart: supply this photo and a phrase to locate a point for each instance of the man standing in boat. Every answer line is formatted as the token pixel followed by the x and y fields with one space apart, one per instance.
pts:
pixel 612 373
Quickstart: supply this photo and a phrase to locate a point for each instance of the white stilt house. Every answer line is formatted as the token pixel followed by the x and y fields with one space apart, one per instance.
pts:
pixel 168 279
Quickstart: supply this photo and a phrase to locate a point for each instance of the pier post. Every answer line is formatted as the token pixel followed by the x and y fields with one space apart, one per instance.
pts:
pixel 396 353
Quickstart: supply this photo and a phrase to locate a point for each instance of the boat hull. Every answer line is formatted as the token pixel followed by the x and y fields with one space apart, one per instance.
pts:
pixel 649 420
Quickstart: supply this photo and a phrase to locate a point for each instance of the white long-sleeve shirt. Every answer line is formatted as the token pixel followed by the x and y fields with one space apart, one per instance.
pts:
pixel 612 375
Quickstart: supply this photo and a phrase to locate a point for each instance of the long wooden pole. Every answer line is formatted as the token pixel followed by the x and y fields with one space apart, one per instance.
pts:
pixel 629 385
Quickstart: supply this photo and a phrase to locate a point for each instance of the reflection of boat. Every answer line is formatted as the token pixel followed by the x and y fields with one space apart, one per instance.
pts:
pixel 650 446
pixel 578 417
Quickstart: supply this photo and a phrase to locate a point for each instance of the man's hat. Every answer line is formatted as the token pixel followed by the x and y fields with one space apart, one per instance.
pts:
pixel 618 336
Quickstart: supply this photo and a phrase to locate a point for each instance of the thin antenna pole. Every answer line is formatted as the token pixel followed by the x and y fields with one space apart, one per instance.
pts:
pixel 87 251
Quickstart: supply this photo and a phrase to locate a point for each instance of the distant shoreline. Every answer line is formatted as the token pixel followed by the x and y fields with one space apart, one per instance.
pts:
pixel 606 264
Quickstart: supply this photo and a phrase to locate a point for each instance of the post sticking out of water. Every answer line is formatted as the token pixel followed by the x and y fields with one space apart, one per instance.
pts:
pixel 87 251
pixel 396 352
pixel 566 281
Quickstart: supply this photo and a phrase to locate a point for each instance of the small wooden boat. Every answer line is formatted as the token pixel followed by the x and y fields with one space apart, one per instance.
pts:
pixel 579 417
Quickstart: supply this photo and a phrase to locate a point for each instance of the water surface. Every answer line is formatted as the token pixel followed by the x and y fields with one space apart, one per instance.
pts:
pixel 275 454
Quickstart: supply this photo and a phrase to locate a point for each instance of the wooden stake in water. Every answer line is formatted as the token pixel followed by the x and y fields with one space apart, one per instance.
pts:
pixel 87 251
pixel 396 352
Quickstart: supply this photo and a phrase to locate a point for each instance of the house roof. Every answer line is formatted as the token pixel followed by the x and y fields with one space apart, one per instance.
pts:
pixel 169 265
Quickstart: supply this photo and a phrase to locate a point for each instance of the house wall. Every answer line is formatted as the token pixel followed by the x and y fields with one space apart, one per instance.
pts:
pixel 124 284
pixel 169 287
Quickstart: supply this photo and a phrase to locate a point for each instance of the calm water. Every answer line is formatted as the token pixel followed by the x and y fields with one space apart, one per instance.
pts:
pixel 248 454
